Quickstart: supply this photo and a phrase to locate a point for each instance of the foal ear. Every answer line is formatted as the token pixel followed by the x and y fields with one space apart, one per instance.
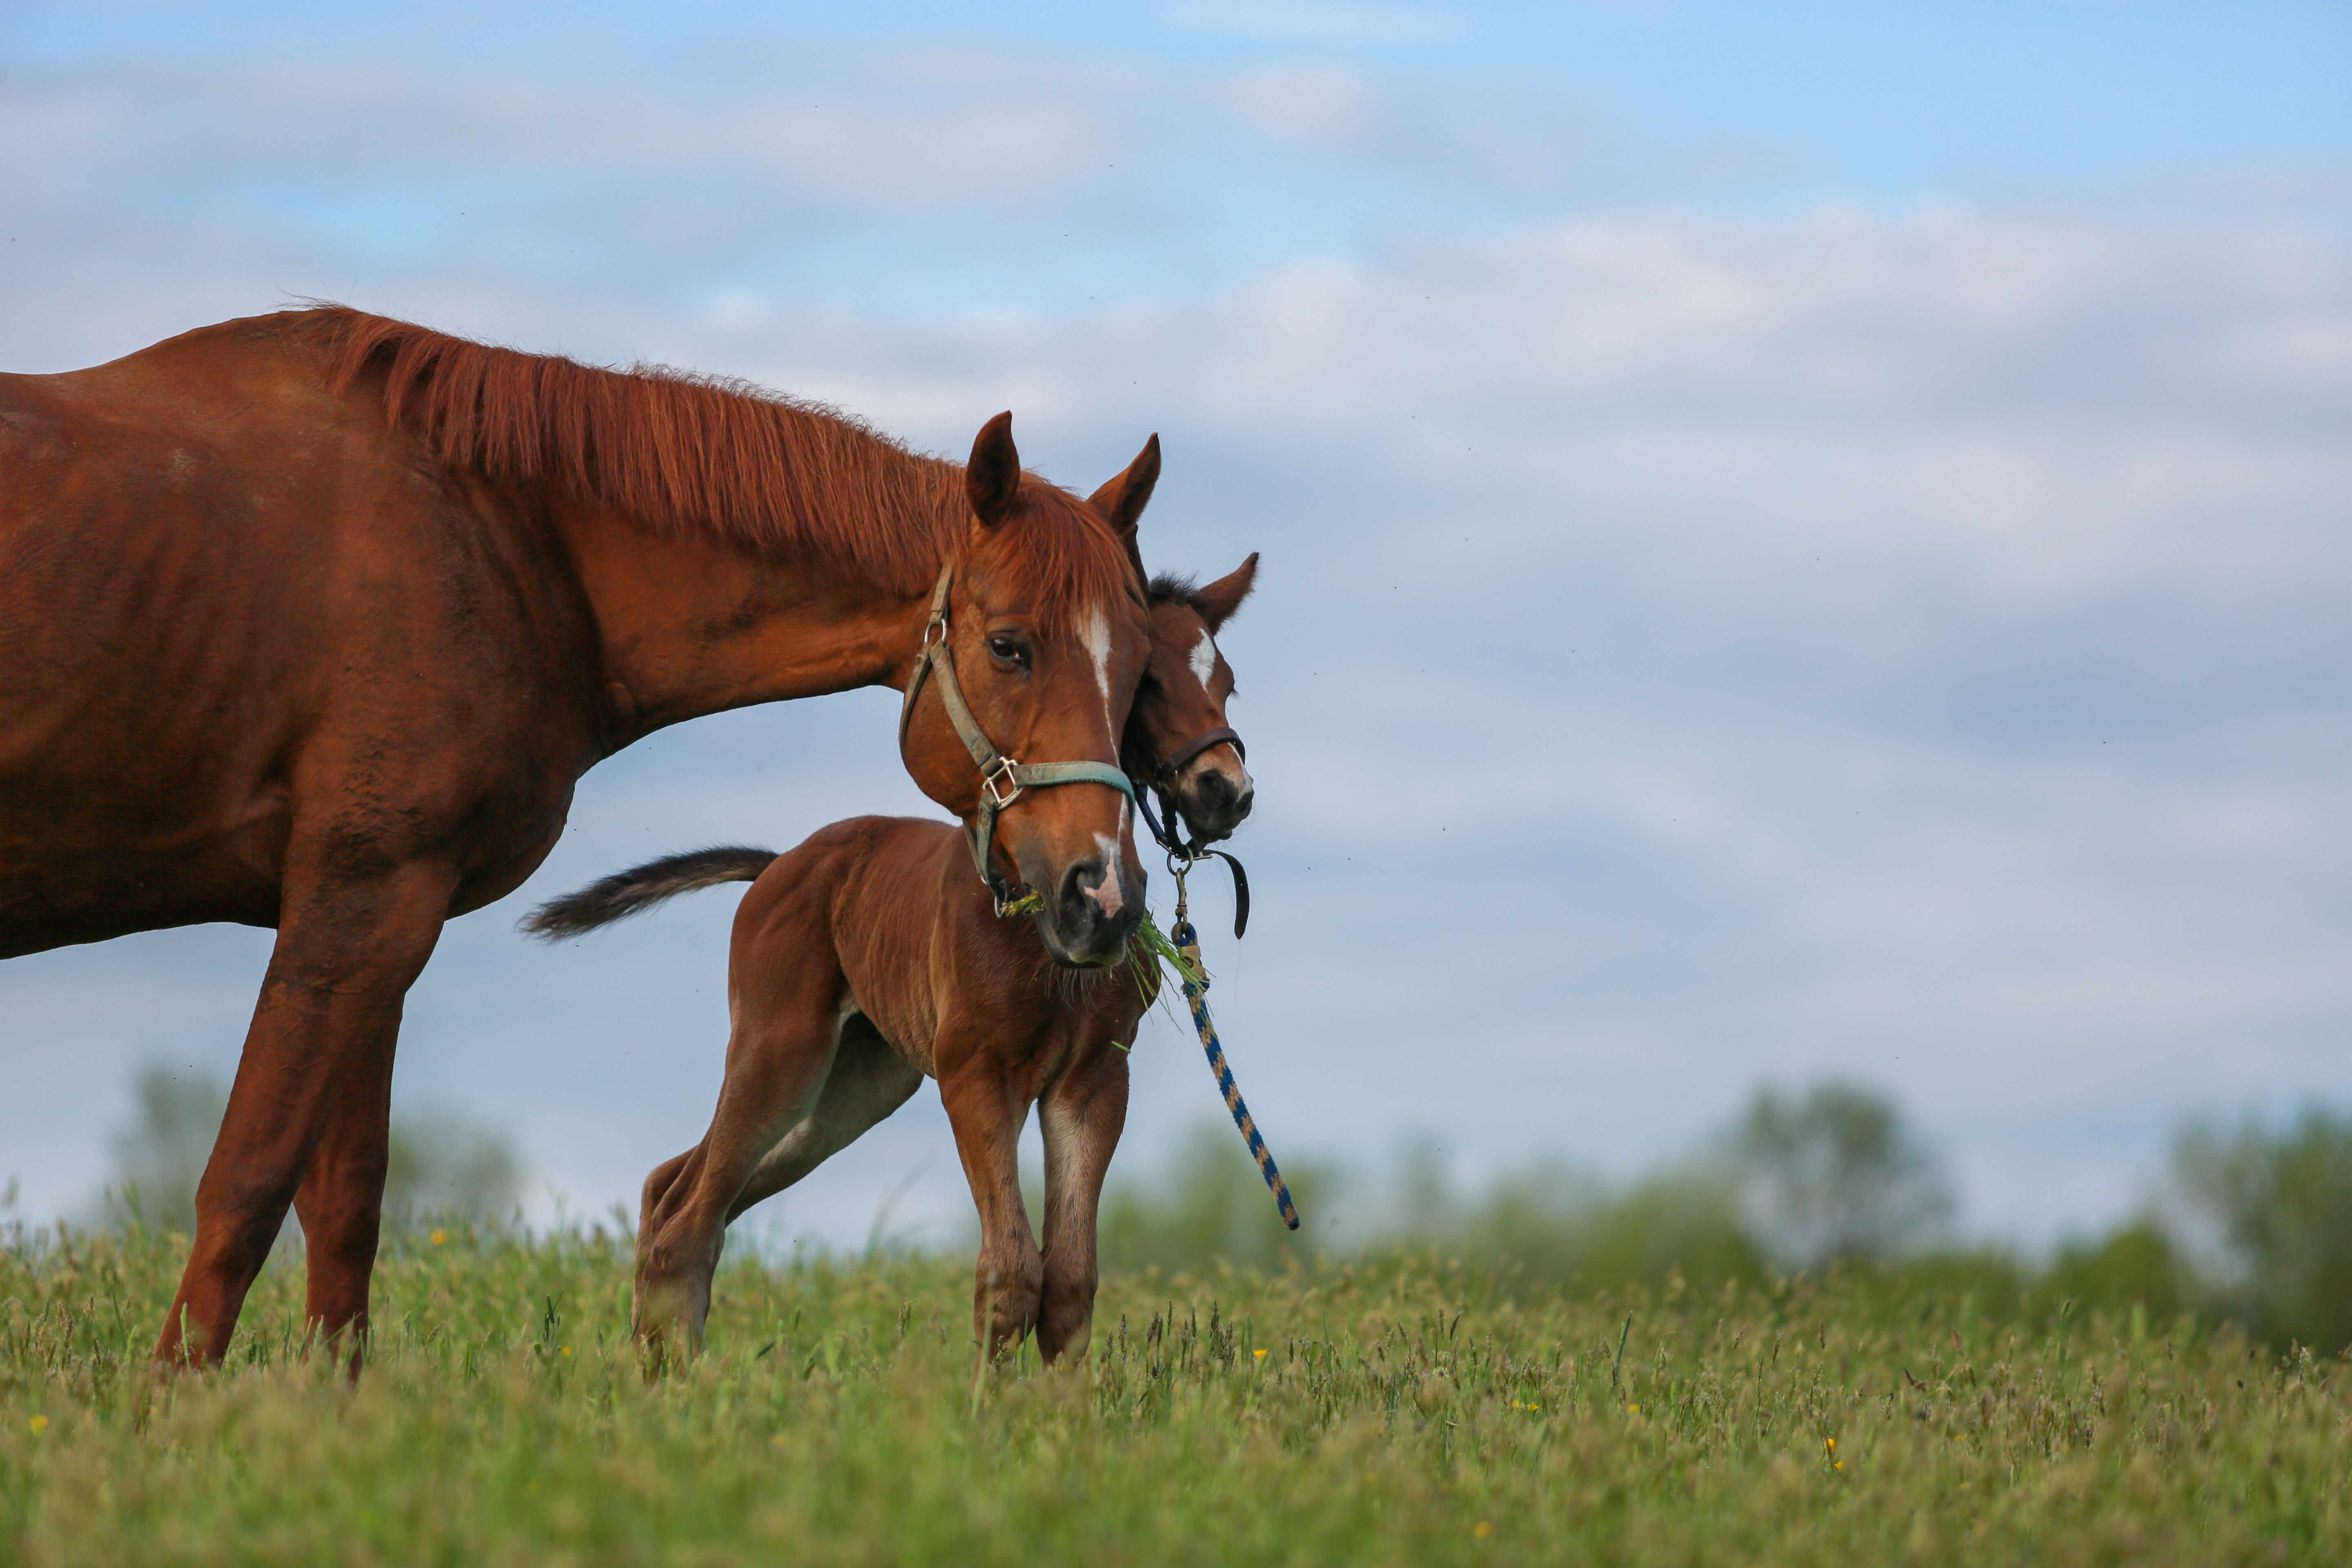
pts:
pixel 1122 498
pixel 994 477
pixel 1219 599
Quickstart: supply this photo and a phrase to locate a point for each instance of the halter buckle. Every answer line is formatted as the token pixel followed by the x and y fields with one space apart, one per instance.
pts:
pixel 999 783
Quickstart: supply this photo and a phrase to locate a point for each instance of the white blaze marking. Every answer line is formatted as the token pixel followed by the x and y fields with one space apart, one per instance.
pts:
pixel 1108 895
pixel 1097 635
pixel 1204 658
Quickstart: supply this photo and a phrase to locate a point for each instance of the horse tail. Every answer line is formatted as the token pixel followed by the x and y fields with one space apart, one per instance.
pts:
pixel 625 893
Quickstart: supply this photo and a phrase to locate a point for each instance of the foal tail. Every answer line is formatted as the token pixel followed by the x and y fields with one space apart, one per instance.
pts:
pixel 625 893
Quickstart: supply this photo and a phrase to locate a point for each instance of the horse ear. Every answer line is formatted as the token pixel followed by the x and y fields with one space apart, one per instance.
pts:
pixel 1122 498
pixel 1219 599
pixel 994 477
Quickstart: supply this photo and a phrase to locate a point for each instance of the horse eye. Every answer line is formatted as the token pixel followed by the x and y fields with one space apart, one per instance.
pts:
pixel 1009 649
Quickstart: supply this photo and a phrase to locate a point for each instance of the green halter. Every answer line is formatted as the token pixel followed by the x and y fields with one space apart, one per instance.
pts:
pixel 1001 779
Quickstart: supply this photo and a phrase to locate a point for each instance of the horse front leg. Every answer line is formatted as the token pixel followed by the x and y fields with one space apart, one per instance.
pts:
pixel 1008 1279
pixel 1081 1116
pixel 341 1201
pixel 347 951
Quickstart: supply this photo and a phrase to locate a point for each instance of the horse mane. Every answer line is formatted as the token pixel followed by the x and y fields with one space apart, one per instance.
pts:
pixel 685 452
pixel 1173 588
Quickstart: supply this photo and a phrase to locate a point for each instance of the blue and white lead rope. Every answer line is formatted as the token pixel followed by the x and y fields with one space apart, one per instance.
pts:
pixel 1187 942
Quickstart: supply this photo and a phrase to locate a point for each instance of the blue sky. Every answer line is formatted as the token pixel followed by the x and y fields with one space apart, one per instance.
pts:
pixel 1799 538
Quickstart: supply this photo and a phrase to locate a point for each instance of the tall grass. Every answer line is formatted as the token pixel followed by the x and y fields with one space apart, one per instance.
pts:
pixel 1409 1410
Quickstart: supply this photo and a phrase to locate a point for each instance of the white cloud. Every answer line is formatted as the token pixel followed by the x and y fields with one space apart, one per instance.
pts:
pixel 1320 20
pixel 1454 141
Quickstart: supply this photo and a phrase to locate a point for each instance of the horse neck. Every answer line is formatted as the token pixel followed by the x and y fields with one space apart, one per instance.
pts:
pixel 693 624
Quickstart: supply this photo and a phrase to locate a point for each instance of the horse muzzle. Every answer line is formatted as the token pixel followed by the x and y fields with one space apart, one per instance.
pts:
pixel 1214 798
pixel 1093 911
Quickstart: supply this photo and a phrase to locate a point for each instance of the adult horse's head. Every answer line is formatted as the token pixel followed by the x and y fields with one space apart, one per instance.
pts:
pixel 1015 727
pixel 1177 739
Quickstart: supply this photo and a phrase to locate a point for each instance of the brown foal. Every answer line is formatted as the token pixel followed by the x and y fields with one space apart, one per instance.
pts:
pixel 871 956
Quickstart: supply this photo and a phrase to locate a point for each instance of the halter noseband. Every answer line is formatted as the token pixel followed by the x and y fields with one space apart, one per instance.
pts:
pixel 1194 747
pixel 1001 779
pixel 1163 781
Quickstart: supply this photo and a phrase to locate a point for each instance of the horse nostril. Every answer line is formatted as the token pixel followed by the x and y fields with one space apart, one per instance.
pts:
pixel 1216 791
pixel 1091 883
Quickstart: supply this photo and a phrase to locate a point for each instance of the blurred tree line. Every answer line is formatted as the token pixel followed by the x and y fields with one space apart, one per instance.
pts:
pixel 440 1164
pixel 2253 1221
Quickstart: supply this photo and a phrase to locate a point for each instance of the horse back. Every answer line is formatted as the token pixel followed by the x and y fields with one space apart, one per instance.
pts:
pixel 224 587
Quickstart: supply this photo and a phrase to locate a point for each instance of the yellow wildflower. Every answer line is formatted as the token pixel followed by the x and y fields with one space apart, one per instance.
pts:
pixel 1259 1354
pixel 40 1423
pixel 438 1237
pixel 1482 1530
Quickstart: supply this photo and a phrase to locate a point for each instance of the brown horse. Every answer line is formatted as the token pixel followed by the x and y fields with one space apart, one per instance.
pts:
pixel 870 957
pixel 312 620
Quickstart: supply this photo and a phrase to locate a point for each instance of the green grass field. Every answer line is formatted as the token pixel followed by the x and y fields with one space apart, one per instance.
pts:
pixel 1406 1411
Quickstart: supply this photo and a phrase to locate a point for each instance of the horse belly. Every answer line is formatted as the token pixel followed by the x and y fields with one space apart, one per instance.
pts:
pixel 137 731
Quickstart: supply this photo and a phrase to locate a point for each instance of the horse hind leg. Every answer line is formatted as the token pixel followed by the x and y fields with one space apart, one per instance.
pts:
pixel 868 1081
pixel 652 1201
pixel 776 1065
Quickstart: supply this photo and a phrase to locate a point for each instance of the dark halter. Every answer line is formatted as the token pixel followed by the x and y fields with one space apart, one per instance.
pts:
pixel 1162 782
pixel 1001 779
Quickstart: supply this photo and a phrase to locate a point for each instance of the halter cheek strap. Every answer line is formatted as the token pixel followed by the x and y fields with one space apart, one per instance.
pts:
pixel 1001 779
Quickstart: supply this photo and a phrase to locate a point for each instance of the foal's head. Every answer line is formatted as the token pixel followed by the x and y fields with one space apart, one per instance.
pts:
pixel 1047 623
pixel 1181 702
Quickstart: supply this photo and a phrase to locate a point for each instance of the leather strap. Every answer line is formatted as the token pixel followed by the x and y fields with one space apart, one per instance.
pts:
pixel 1201 743
pixel 1167 841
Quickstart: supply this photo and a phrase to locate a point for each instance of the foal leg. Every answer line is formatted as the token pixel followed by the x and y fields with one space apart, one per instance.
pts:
pixel 868 1081
pixel 776 1063
pixel 341 1201
pixel 1009 1275
pixel 329 1008
pixel 658 1182
pixel 1081 1116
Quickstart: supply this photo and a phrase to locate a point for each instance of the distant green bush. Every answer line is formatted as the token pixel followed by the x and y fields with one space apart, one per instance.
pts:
pixel 1828 1181
pixel 1210 1203
pixel 2280 1202
pixel 439 1163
